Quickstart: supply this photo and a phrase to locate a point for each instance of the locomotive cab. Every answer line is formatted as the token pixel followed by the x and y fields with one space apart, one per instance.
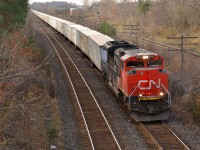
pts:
pixel 143 83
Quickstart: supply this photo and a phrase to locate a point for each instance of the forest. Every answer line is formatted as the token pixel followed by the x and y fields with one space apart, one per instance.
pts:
pixel 13 14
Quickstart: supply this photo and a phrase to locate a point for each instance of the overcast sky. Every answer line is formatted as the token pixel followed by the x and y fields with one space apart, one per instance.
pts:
pixel 79 2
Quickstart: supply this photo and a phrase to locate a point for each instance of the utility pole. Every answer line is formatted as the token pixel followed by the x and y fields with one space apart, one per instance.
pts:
pixel 132 29
pixel 182 50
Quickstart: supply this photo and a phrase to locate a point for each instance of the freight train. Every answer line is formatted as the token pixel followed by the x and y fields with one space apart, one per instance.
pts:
pixel 137 76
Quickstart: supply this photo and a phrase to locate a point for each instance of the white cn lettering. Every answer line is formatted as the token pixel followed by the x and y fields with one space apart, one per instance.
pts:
pixel 150 84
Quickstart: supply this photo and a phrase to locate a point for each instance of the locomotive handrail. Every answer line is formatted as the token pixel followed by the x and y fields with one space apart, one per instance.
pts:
pixel 133 90
pixel 169 95
pixel 132 94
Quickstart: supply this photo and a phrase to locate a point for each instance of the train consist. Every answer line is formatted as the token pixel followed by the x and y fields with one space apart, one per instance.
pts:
pixel 137 76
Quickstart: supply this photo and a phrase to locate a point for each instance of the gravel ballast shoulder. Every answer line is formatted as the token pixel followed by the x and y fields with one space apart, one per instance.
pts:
pixel 70 133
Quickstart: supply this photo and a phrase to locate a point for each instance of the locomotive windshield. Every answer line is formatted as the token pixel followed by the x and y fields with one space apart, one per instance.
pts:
pixel 154 63
pixel 135 64
pixel 148 63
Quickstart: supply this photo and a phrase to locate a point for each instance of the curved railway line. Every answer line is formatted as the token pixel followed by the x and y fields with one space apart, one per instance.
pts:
pixel 96 133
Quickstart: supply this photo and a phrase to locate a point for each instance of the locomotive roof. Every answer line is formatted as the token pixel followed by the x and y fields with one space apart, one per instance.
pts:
pixel 111 46
pixel 133 52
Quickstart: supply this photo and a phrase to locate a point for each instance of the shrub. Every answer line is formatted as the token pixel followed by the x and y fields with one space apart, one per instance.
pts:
pixel 52 132
pixel 30 41
pixel 107 29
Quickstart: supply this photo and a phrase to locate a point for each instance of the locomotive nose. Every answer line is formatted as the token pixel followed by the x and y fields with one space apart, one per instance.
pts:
pixel 150 83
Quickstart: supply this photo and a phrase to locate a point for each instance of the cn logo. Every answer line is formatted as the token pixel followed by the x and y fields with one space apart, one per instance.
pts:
pixel 151 82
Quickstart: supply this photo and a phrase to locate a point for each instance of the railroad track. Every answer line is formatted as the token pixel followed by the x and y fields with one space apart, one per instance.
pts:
pixel 96 132
pixel 159 136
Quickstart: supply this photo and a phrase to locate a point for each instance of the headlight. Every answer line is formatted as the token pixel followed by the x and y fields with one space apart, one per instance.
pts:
pixel 145 57
pixel 161 93
pixel 140 95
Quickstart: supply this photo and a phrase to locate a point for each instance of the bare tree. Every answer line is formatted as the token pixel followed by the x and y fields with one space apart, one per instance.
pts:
pixel 23 96
pixel 86 3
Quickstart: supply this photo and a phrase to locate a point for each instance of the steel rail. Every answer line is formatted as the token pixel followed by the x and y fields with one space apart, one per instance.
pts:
pixel 150 136
pixel 115 139
pixel 155 136
pixel 176 136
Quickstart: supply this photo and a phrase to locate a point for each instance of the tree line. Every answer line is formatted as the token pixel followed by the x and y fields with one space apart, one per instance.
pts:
pixel 12 14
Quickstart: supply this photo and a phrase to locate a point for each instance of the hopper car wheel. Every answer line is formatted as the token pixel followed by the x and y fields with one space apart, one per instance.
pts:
pixel 91 64
pixel 82 54
pixel 104 77
pixel 120 97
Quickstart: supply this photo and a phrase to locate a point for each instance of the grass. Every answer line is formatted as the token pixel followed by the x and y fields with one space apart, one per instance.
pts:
pixel 196 111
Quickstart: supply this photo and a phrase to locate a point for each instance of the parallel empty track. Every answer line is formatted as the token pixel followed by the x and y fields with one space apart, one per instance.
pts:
pixel 96 132
pixel 159 136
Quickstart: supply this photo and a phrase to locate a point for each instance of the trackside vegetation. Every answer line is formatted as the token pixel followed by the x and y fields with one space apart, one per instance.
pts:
pixel 107 29
pixel 29 117
pixel 13 14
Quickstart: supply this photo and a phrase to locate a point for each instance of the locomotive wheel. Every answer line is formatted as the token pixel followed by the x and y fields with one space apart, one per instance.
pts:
pixel 125 100
pixel 120 97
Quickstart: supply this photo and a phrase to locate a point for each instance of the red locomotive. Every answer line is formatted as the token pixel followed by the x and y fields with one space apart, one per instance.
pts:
pixel 138 78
